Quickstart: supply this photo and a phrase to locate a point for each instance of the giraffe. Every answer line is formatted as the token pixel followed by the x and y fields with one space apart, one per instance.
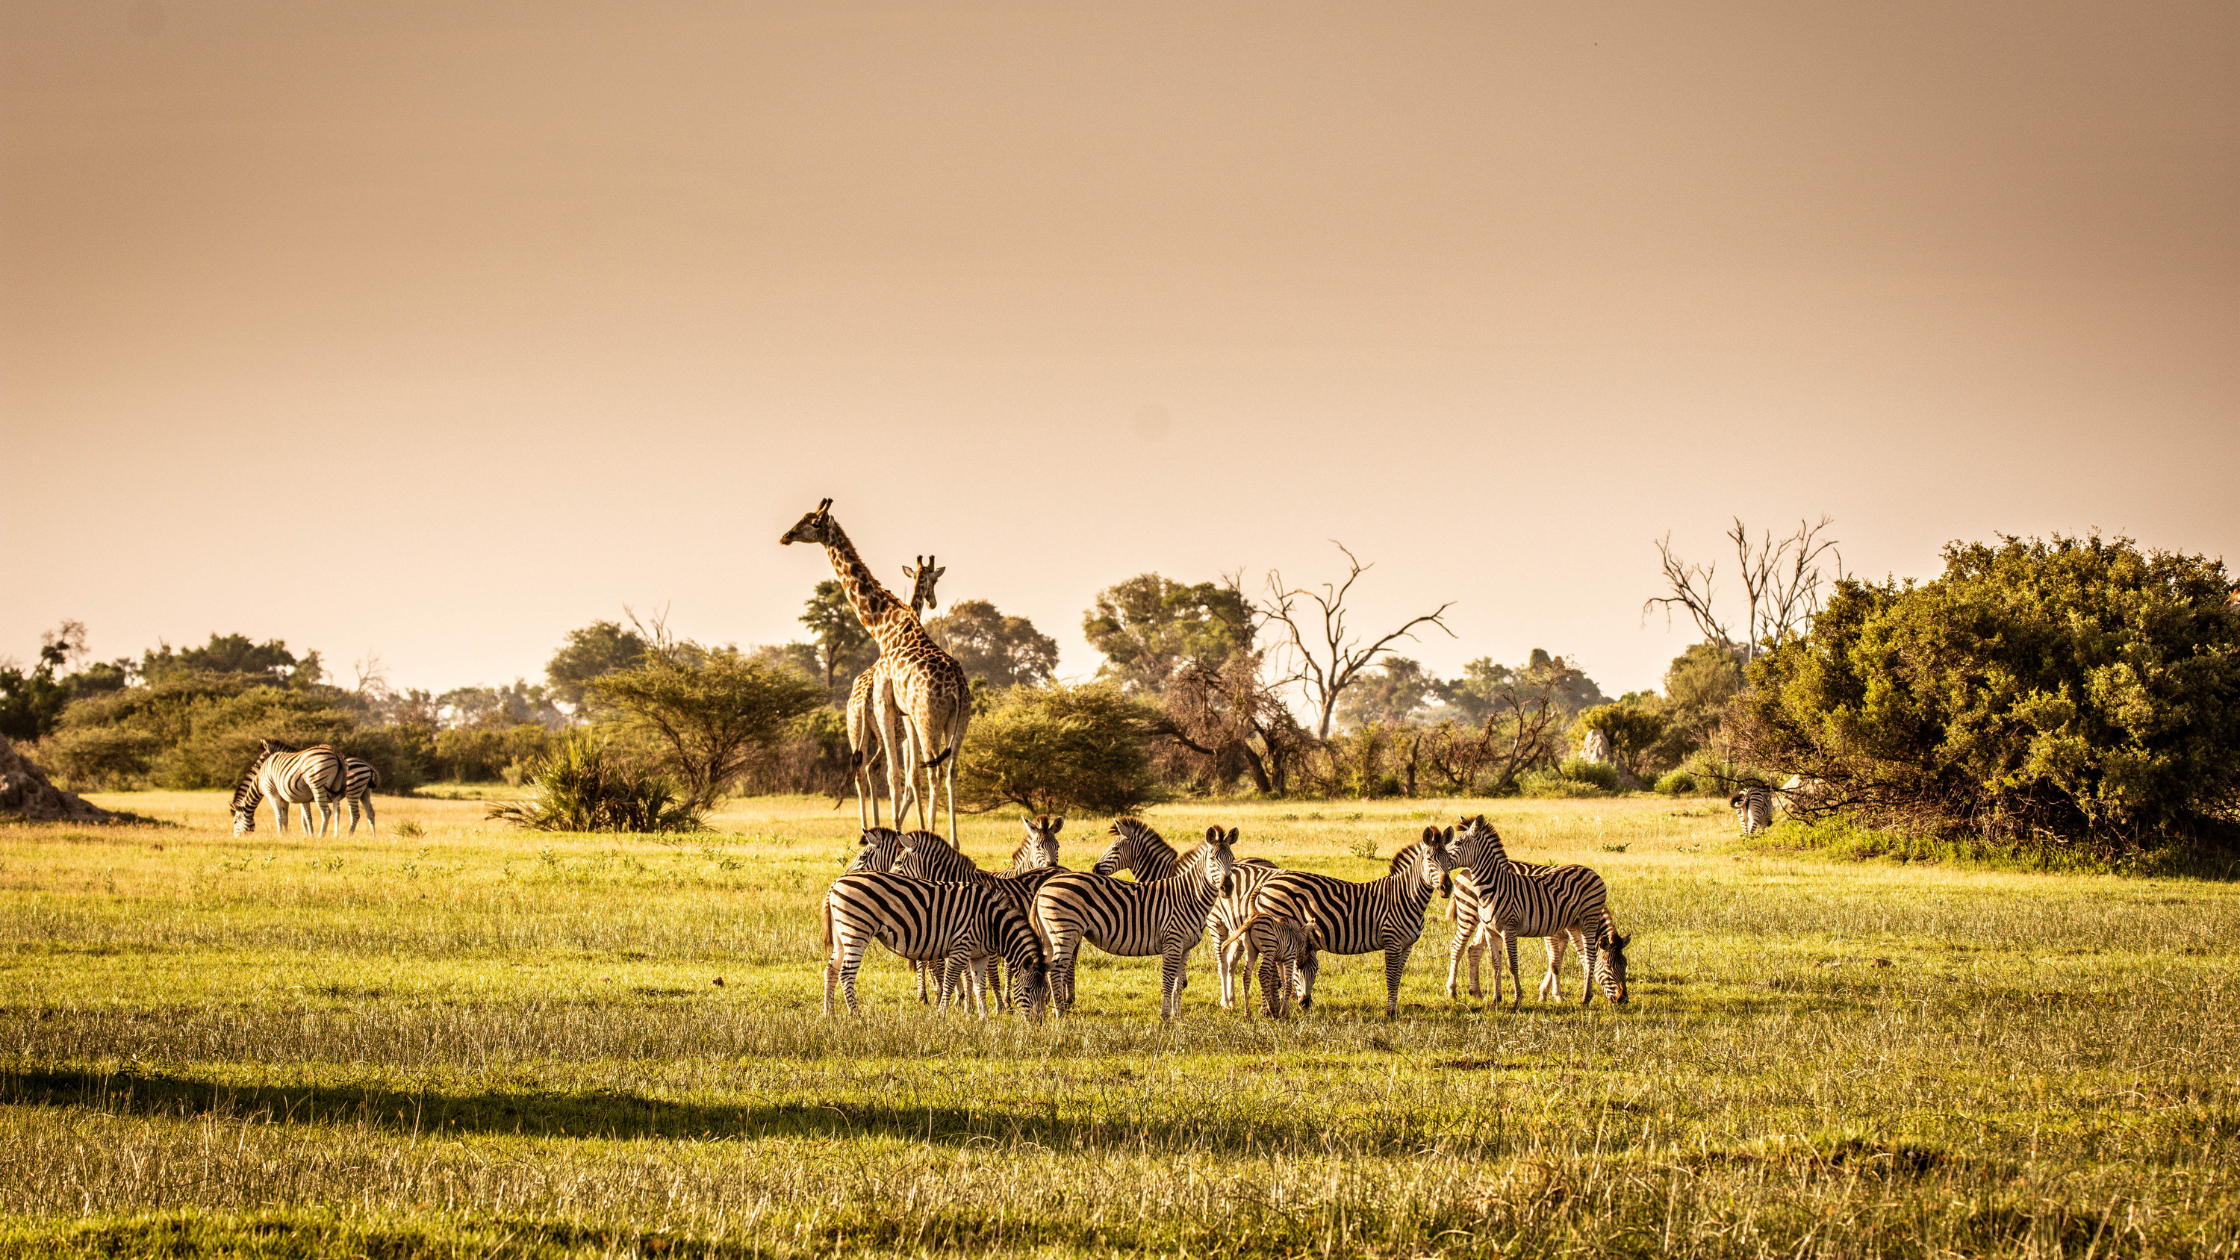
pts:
pixel 871 700
pixel 929 686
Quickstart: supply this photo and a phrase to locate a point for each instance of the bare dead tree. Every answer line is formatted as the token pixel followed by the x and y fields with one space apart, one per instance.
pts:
pixel 1335 658
pixel 1781 586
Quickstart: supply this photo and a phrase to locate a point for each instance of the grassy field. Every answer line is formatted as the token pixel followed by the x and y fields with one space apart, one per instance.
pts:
pixel 476 1041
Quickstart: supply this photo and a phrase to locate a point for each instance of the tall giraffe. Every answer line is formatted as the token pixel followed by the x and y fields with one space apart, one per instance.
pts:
pixel 875 720
pixel 929 686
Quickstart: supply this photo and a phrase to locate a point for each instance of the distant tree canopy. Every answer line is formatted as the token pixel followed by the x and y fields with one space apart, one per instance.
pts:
pixel 1055 748
pixel 235 654
pixel 1487 686
pixel 592 652
pixel 2074 690
pixel 1150 627
pixel 995 649
pixel 843 647
pixel 487 707
pixel 1397 690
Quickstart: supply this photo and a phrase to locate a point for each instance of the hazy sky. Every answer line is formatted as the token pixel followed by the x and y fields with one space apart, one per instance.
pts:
pixel 435 330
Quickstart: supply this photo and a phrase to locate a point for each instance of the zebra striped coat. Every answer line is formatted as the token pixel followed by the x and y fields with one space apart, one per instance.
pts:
pixel 926 855
pixel 1470 910
pixel 953 924
pixel 1136 847
pixel 1287 961
pixel 1164 917
pixel 289 776
pixel 876 851
pixel 1361 918
pixel 1569 901
pixel 1753 808
pixel 359 779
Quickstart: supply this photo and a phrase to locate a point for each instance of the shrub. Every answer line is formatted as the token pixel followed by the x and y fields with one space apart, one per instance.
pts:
pixel 2078 690
pixel 1574 778
pixel 586 786
pixel 482 754
pixel 713 710
pixel 1059 748
pixel 1678 783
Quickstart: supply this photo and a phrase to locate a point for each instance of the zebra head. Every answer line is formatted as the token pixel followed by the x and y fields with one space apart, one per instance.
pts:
pixel 876 851
pixel 1221 857
pixel 1040 849
pixel 247 795
pixel 1612 971
pixel 812 528
pixel 1133 844
pixel 1435 858
pixel 1477 847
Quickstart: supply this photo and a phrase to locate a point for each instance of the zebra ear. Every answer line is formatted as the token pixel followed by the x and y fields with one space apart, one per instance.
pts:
pixel 1056 824
pixel 1430 834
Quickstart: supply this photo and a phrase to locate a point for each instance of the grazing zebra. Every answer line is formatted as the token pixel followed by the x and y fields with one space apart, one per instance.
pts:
pixel 289 776
pixel 953 924
pixel 359 779
pixel 1164 917
pixel 925 855
pixel 1361 918
pixel 1286 952
pixel 1568 901
pixel 875 721
pixel 1136 847
pixel 1753 808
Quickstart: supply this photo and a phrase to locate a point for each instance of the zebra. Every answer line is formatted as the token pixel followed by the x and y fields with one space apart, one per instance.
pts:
pixel 1164 917
pixel 876 851
pixel 1568 901
pixel 954 924
pixel 875 723
pixel 1138 848
pixel 1469 909
pixel 289 776
pixel 926 855
pixel 1361 918
pixel 1285 949
pixel 1753 808
pixel 359 779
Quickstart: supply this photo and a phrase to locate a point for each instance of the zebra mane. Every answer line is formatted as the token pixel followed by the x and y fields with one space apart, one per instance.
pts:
pixel 1404 859
pixel 1150 846
pixel 246 793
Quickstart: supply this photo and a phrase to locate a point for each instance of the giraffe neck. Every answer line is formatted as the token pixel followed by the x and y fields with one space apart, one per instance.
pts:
pixel 874 605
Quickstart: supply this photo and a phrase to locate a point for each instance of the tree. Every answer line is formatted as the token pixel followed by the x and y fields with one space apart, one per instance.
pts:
pixel 1150 628
pixel 513 705
pixel 995 649
pixel 1399 690
pixel 843 646
pixel 2082 690
pixel 1330 658
pixel 593 652
pixel 1781 586
pixel 1054 748
pixel 270 661
pixel 31 703
pixel 712 708
pixel 1633 726
pixel 1488 687
pixel 1219 721
pixel 1518 714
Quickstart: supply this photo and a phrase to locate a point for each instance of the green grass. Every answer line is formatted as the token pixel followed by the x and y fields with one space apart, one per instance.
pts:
pixel 476 1041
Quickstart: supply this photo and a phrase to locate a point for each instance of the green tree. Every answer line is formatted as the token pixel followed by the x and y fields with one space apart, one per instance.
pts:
pixel 843 647
pixel 270 661
pixel 995 649
pixel 1057 748
pixel 2074 690
pixel 1488 687
pixel 712 709
pixel 1150 627
pixel 594 651
pixel 512 705
pixel 31 702
pixel 1633 725
pixel 1397 691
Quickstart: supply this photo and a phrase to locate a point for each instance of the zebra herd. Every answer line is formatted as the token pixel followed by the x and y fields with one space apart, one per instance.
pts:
pixel 914 893
pixel 316 777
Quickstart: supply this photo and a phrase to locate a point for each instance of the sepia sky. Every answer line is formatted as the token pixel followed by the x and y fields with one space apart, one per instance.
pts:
pixel 433 330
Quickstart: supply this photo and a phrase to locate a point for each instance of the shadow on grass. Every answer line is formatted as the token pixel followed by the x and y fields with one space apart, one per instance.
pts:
pixel 614 1114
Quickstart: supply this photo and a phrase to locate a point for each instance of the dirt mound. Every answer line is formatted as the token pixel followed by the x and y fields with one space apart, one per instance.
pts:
pixel 26 794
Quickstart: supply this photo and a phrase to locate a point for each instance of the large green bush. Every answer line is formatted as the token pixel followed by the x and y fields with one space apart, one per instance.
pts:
pixel 585 785
pixel 1058 748
pixel 2077 690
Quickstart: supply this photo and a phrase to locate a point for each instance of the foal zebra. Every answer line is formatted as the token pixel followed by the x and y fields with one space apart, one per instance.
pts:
pixel 1568 901
pixel 1753 808
pixel 1361 918
pixel 1285 949
pixel 359 779
pixel 1164 917
pixel 956 925
pixel 288 776
pixel 1136 847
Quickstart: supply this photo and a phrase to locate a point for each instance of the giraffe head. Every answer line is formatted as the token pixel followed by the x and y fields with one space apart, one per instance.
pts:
pixel 922 578
pixel 813 528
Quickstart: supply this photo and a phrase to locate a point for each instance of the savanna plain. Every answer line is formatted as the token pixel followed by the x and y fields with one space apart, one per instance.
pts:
pixel 453 1038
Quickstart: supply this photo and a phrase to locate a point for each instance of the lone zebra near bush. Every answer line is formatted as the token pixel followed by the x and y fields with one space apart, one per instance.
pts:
pixel 1568 901
pixel 929 686
pixel 1753 808
pixel 1164 917
pixel 289 776
pixel 1362 918
pixel 875 721
pixel 956 925
pixel 359 779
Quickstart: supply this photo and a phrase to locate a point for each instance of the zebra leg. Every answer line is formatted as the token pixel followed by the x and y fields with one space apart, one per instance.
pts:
pixel 851 961
pixel 1454 959
pixel 1590 959
pixel 1551 985
pixel 1062 951
pixel 371 829
pixel 921 969
pixel 280 812
pixel 1516 997
pixel 1173 976
pixel 1395 962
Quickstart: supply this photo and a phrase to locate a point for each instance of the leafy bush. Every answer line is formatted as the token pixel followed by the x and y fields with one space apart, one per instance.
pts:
pixel 1059 749
pixel 2078 690
pixel 1678 783
pixel 713 710
pixel 1574 778
pixel 586 786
